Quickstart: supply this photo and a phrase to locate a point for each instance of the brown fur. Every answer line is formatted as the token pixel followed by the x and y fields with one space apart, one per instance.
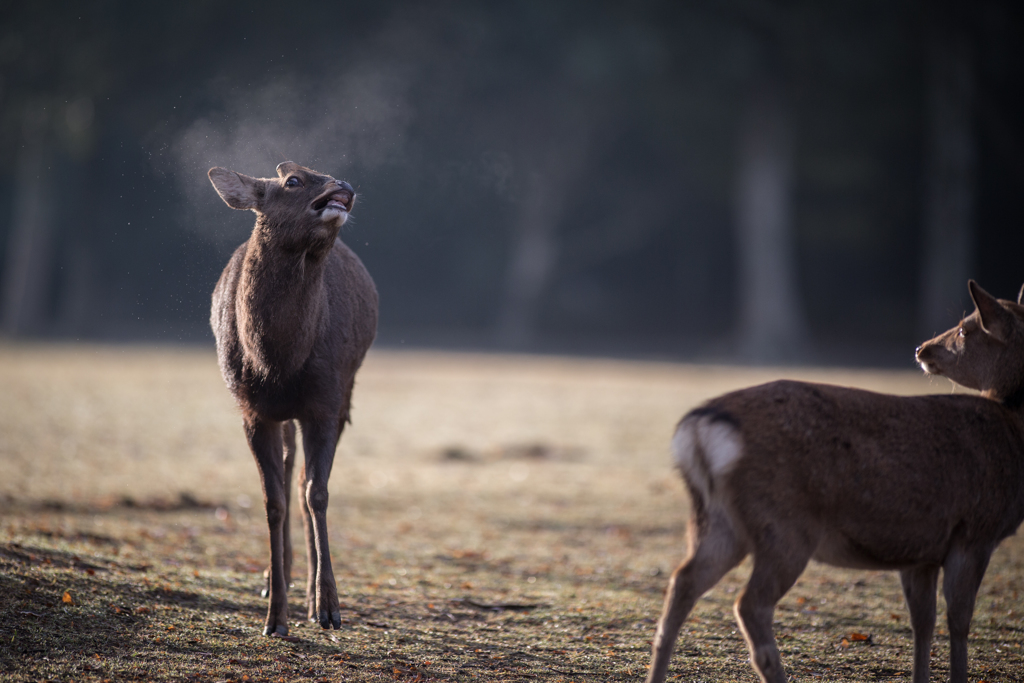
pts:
pixel 294 313
pixel 864 480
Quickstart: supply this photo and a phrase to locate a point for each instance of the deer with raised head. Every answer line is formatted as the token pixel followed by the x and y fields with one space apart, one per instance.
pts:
pixel 294 313
pixel 789 472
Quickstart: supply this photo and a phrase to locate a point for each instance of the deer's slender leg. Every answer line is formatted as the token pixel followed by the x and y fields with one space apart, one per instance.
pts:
pixel 311 554
pixel 319 440
pixel 962 573
pixel 775 571
pixel 715 552
pixel 919 590
pixel 288 434
pixel 264 438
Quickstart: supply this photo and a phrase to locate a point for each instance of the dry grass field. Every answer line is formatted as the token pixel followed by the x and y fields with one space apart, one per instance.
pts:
pixel 494 518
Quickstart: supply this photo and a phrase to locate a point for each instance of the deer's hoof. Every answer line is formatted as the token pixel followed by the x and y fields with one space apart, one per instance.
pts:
pixel 278 630
pixel 330 621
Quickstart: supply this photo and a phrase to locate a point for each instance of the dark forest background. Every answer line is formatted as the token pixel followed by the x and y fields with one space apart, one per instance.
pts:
pixel 734 179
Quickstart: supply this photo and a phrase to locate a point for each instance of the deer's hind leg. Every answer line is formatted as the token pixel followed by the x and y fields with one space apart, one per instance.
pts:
pixel 715 549
pixel 962 573
pixel 309 534
pixel 778 564
pixel 288 434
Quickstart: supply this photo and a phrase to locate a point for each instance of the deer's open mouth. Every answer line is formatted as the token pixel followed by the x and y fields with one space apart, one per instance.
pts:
pixel 340 200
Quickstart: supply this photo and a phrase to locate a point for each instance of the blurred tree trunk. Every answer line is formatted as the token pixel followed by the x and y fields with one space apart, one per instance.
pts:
pixel 534 252
pixel 28 267
pixel 771 324
pixel 535 242
pixel 75 302
pixel 950 176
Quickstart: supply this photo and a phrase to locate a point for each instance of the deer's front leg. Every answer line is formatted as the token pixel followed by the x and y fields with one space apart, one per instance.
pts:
pixel 919 591
pixel 288 433
pixel 319 442
pixel 264 438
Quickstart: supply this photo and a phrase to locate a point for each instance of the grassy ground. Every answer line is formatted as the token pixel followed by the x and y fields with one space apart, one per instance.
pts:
pixel 492 518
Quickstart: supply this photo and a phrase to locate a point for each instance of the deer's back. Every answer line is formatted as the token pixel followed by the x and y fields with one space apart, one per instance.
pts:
pixel 224 321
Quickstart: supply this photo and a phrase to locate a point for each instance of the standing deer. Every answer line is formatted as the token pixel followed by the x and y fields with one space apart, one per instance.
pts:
pixel 294 313
pixel 791 471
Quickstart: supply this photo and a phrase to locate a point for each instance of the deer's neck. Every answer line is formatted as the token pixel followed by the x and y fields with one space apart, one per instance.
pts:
pixel 1008 387
pixel 1013 402
pixel 281 306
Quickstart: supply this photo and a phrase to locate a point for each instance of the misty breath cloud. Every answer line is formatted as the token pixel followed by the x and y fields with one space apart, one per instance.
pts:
pixel 332 125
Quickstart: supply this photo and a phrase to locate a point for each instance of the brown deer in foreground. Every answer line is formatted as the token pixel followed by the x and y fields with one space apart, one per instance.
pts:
pixel 790 472
pixel 294 313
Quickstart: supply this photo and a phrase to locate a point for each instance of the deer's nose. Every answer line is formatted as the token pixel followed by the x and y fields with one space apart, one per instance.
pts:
pixel 345 186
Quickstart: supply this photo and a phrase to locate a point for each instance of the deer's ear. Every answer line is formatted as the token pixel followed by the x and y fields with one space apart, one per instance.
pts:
pixel 995 320
pixel 238 190
pixel 286 167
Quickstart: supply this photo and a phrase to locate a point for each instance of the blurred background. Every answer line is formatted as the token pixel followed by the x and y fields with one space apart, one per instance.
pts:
pixel 765 182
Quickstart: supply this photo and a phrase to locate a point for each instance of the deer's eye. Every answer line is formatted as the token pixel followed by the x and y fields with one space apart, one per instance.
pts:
pixel 961 332
pixel 293 182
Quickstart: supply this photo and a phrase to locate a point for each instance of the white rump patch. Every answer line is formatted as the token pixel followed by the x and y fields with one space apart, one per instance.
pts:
pixel 683 443
pixel 705 449
pixel 722 445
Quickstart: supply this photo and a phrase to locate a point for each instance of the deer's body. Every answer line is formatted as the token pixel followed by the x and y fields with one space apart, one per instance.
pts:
pixel 845 466
pixel 790 471
pixel 284 378
pixel 294 313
